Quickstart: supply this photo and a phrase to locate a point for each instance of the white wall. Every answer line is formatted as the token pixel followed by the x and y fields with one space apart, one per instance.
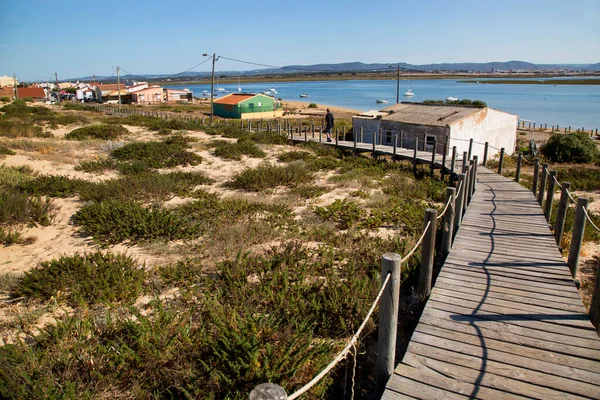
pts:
pixel 369 127
pixel 497 128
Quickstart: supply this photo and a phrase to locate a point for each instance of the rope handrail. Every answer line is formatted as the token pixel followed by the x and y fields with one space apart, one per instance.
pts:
pixel 556 181
pixel 346 349
pixel 445 208
pixel 417 244
pixel 354 338
pixel 590 219
pixel 571 197
pixel 460 186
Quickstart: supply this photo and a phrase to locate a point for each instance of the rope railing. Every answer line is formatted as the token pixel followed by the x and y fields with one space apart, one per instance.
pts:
pixel 417 244
pixel 590 219
pixel 346 349
pixel 445 208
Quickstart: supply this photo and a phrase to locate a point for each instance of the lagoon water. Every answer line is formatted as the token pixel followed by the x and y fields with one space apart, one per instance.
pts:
pixel 566 105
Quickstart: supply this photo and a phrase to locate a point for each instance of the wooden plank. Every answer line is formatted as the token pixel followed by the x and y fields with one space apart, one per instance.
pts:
pixel 431 337
pixel 518 324
pixel 486 379
pixel 535 347
pixel 453 388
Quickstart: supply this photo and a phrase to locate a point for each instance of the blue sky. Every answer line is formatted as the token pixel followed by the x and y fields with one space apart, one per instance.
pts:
pixel 79 38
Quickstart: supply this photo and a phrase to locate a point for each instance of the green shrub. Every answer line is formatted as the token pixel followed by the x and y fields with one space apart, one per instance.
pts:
pixel 581 178
pixel 52 185
pixel 157 154
pixel 149 186
pixel 266 138
pixel 267 176
pixel 133 167
pixel 28 99
pixel 344 213
pixel 312 105
pixel 575 147
pixel 295 156
pixel 18 208
pixel 9 237
pixel 116 221
pixel 5 151
pixel 79 107
pixel 13 129
pixel 308 191
pixel 15 176
pixel 4 99
pixel 96 166
pixel 100 131
pixel 85 279
pixel 235 151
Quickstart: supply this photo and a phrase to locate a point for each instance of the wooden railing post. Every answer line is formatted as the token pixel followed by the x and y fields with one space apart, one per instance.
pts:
pixel 395 145
pixel 374 142
pixel 470 148
pixel 561 213
pixel 577 238
pixel 388 320
pixel 448 228
pixel 432 166
pixel 518 171
pixel 415 156
pixel 427 253
pixel 550 195
pixel 474 184
pixel 444 156
pixel 337 138
pixel 595 304
pixel 471 180
pixel 501 161
pixel 485 153
pixel 465 192
pixel 453 166
pixel 536 175
pixel 458 213
pixel 354 134
pixel 543 180
pixel 465 160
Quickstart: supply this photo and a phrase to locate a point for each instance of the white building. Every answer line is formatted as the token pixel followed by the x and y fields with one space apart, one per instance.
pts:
pixel 7 81
pixel 418 124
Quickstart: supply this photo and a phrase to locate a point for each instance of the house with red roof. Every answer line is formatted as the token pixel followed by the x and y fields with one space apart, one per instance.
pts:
pixel 36 93
pixel 247 106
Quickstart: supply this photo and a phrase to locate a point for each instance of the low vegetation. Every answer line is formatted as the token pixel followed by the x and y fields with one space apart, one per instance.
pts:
pixel 575 147
pixel 165 154
pixel 98 131
pixel 268 176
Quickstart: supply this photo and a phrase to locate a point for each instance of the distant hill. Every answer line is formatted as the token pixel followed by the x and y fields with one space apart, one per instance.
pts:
pixel 362 67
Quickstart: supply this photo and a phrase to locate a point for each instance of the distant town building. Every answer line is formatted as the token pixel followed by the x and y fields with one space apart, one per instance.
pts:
pixel 150 95
pixel 7 81
pixel 36 93
pixel 424 124
pixel 247 106
pixel 177 95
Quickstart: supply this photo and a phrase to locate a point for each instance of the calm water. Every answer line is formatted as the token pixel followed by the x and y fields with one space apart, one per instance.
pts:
pixel 575 105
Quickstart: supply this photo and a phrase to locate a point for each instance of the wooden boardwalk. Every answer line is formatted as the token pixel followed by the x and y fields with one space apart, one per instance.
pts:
pixel 504 319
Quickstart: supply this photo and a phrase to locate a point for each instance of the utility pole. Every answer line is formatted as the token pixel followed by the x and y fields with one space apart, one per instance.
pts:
pixel 119 87
pixel 16 90
pixel 398 85
pixel 57 88
pixel 212 87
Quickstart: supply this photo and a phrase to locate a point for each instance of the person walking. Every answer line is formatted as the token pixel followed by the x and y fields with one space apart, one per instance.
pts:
pixel 328 124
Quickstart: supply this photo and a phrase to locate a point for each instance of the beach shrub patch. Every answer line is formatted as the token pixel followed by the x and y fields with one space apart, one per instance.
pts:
pixel 157 154
pixel 575 147
pixel 116 221
pixel 93 278
pixel 96 166
pixel 235 151
pixel 267 176
pixel 99 131
pixel 18 208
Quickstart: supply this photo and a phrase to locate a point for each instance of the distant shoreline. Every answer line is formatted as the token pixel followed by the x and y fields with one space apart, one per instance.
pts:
pixel 353 76
pixel 537 82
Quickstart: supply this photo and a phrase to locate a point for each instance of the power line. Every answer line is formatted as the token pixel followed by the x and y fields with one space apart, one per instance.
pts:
pixel 248 62
pixel 197 65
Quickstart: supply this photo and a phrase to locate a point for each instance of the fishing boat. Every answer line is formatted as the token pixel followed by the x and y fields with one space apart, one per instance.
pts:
pixel 381 101
pixel 303 95
pixel 451 98
pixel 272 90
pixel 409 93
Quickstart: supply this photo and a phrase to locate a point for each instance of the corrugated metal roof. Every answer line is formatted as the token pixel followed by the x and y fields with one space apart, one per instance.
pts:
pixel 426 114
pixel 234 98
pixel 371 114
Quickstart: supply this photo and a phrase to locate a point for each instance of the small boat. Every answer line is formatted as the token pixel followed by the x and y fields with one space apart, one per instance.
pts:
pixel 409 93
pixel 381 101
pixel 303 95
pixel 451 98
pixel 272 90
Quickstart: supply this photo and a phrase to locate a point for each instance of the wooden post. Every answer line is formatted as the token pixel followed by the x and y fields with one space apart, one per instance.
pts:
pixel 536 175
pixel 432 166
pixel 427 249
pixel 354 134
pixel 501 161
pixel 448 227
pixel 577 239
pixel 374 140
pixel 561 213
pixel 471 181
pixel 444 155
pixel 313 130
pixel 465 192
pixel 550 195
pixel 543 185
pixel 518 172
pixel 470 148
pixel 268 391
pixel 305 135
pixel 453 166
pixel 395 145
pixel 465 160
pixel 595 305
pixel 415 156
pixel 336 138
pixel 458 212
pixel 388 320
pixel 475 158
